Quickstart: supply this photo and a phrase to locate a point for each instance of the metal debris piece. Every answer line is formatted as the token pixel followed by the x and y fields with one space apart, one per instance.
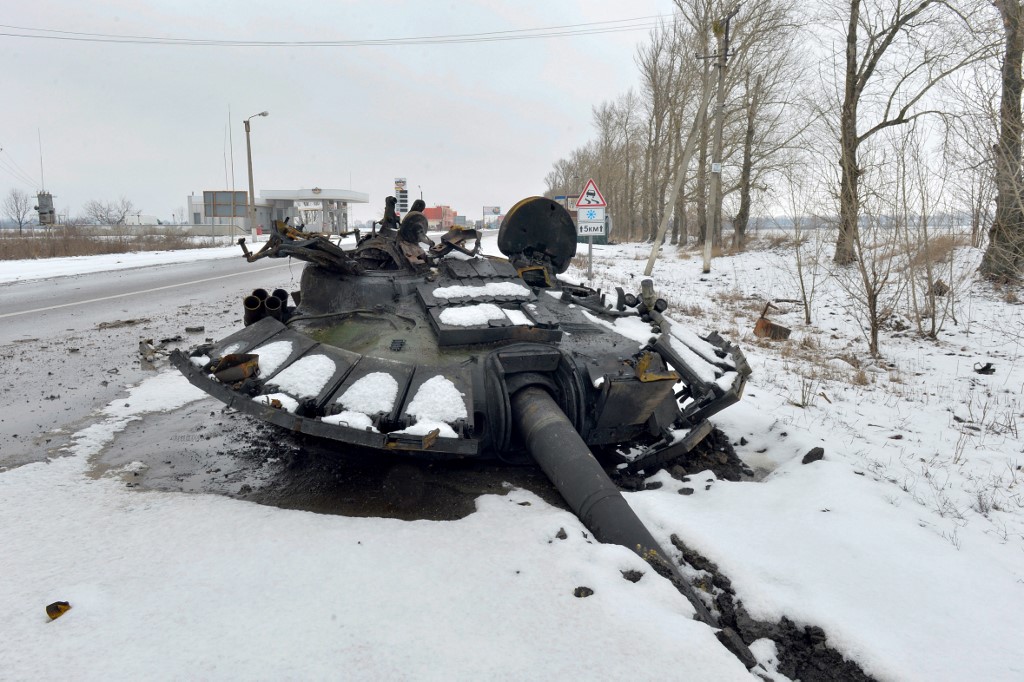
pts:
pixel 122 323
pixel 236 367
pixel 57 609
pixel 766 329
pixel 147 350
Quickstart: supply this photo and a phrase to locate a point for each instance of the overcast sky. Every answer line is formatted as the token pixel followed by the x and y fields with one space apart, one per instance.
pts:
pixel 472 124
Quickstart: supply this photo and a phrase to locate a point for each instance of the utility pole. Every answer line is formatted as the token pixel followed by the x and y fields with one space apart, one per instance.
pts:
pixel 252 198
pixel 715 190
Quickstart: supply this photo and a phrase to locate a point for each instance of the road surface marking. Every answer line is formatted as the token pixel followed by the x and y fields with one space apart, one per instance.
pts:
pixel 143 291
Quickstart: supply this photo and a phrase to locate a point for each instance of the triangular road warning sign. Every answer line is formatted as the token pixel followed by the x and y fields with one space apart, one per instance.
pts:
pixel 590 197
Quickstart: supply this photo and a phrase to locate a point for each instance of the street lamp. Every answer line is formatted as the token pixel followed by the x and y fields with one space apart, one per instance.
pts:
pixel 252 198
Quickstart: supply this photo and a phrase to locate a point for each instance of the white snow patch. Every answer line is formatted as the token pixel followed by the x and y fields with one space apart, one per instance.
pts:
pixel 288 403
pixel 371 394
pixel 518 318
pixel 272 355
pixel 839 363
pixel 487 290
pixel 703 348
pixel 437 399
pixel 233 348
pixel 166 391
pixel 705 371
pixel 351 419
pixel 472 315
pixel 200 360
pixel 422 428
pixel 631 326
pixel 725 381
pixel 48 268
pixel 306 377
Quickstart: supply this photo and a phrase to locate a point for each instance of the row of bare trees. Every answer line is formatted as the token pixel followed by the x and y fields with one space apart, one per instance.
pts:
pixel 18 207
pixel 816 93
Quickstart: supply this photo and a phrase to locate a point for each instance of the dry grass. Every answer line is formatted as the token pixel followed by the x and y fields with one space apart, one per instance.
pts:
pixel 689 309
pixel 76 241
pixel 776 240
pixel 940 249
pixel 810 343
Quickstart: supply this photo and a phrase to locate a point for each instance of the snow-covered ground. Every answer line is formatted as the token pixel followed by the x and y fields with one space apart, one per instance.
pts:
pixel 29 269
pixel 905 543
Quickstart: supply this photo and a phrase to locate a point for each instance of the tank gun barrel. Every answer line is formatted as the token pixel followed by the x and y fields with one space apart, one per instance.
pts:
pixel 565 458
pixel 567 461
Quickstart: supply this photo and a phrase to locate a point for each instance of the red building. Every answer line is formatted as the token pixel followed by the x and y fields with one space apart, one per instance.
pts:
pixel 440 217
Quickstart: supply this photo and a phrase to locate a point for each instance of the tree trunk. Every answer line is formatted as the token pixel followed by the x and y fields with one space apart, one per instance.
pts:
pixel 1005 254
pixel 679 211
pixel 849 205
pixel 743 214
pixel 702 181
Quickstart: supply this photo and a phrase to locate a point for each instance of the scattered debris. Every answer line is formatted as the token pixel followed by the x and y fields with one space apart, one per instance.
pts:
pixel 122 323
pixel 814 455
pixel 149 350
pixel 987 368
pixel 582 592
pixel 766 329
pixel 57 609
pixel 195 330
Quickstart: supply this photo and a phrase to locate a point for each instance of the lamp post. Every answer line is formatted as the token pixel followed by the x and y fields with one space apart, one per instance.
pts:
pixel 252 198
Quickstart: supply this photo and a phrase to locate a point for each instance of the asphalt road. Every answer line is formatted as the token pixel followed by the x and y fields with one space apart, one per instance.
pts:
pixel 70 345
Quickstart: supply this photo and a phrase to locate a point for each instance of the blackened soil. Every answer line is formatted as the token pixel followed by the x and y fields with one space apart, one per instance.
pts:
pixel 715 453
pixel 804 653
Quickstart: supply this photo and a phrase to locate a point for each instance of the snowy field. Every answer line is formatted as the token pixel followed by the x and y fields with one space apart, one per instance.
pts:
pixel 905 543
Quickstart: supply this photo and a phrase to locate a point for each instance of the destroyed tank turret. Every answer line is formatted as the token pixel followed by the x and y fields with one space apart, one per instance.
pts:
pixel 444 353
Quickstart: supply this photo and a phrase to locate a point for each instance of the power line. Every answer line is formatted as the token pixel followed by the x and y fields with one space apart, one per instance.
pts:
pixel 562 31
pixel 10 167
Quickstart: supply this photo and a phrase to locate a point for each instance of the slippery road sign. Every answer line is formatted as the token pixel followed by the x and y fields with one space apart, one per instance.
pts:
pixel 590 197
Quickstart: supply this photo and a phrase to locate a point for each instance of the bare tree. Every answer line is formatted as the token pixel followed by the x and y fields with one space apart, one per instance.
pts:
pixel 876 285
pixel 18 207
pixel 1005 254
pixel 809 237
pixel 109 212
pixel 968 147
pixel 895 53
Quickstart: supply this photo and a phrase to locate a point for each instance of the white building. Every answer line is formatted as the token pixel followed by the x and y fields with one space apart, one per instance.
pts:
pixel 321 210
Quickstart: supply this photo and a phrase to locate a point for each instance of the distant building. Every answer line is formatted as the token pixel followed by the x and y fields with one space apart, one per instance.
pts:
pixel 440 217
pixel 141 219
pixel 321 210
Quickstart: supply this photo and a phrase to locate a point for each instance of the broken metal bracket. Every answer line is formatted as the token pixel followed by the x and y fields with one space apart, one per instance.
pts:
pixel 660 453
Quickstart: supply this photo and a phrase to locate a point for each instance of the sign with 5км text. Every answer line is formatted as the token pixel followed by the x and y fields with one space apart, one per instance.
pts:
pixel 590 209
